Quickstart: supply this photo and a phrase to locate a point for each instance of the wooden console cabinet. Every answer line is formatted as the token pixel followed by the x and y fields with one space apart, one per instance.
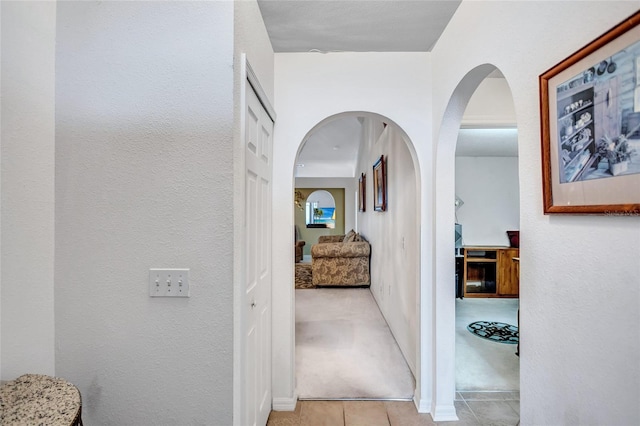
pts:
pixel 491 272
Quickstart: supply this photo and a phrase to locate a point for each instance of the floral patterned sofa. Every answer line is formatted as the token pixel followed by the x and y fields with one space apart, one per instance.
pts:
pixel 341 261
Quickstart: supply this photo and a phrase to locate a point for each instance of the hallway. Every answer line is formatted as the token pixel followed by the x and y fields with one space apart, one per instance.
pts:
pixel 340 335
pixel 344 348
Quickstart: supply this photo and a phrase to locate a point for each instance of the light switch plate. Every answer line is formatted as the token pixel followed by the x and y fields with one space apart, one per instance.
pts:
pixel 168 282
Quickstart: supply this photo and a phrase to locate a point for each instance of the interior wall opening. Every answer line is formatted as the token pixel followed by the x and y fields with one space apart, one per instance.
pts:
pixel 356 326
pixel 320 210
pixel 487 241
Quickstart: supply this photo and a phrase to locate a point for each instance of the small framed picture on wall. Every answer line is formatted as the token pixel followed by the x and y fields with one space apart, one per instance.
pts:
pixel 379 185
pixel 362 193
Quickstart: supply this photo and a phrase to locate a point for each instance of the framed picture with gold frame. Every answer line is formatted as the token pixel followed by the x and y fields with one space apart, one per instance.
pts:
pixel 362 193
pixel 380 185
pixel 590 126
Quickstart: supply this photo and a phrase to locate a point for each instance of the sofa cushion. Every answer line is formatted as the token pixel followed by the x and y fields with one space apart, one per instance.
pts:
pixel 350 237
pixel 359 237
pixel 330 239
pixel 355 249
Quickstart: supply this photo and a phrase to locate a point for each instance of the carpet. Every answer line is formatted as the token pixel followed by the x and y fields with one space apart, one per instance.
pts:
pixel 345 349
pixel 482 365
pixel 495 331
pixel 303 276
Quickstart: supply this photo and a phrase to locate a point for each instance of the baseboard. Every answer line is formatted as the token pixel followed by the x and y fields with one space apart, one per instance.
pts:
pixel 423 405
pixel 284 404
pixel 444 413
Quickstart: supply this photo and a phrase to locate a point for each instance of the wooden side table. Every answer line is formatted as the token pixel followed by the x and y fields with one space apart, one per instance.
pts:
pixel 40 399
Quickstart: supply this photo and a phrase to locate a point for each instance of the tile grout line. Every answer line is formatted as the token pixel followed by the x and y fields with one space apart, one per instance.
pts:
pixel 472 412
pixel 481 401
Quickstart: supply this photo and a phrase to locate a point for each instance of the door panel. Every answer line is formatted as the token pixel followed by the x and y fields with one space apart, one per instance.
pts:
pixel 257 297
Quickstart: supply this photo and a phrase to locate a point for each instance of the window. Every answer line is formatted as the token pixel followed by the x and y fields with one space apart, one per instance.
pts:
pixel 320 210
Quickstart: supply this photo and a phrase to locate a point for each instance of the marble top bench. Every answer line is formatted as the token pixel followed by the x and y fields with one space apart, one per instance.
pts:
pixel 36 399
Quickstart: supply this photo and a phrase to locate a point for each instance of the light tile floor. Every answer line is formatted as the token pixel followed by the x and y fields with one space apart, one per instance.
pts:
pixel 473 408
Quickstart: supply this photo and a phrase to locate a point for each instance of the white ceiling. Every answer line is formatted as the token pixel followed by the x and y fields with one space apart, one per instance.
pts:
pixel 331 150
pixel 356 26
pixel 365 26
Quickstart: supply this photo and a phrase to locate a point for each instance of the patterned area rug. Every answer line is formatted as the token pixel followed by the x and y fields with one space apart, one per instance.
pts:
pixel 495 331
pixel 303 276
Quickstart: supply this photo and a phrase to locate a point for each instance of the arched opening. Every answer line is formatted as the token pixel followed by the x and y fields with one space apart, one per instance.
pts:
pixel 326 162
pixel 320 211
pixel 487 211
pixel 445 245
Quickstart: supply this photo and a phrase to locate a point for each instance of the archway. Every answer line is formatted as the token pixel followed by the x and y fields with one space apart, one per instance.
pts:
pixel 487 179
pixel 401 233
pixel 444 300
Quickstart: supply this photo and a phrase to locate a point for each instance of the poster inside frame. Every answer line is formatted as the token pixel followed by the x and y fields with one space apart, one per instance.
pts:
pixel 590 126
pixel 379 185
pixel 362 193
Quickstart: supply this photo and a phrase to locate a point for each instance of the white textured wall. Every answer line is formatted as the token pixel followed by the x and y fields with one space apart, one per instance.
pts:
pixel 144 179
pixel 393 234
pixel 580 285
pixel 491 105
pixel 489 188
pixel 309 88
pixel 27 197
